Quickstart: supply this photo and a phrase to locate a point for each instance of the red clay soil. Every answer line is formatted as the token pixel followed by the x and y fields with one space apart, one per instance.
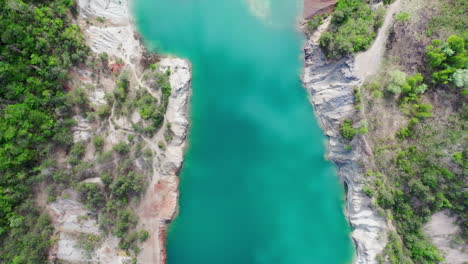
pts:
pixel 162 239
pixel 116 67
pixel 317 7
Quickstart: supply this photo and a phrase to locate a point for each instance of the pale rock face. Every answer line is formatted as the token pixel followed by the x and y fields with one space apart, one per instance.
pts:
pixel 116 36
pixel 331 85
pixel 82 131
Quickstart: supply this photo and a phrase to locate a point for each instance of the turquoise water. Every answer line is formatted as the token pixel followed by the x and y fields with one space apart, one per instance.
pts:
pixel 255 187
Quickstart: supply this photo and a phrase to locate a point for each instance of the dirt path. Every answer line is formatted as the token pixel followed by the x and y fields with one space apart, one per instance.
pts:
pixel 367 63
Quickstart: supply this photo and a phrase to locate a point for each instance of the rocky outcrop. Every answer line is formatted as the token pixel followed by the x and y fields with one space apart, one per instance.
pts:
pixel 160 204
pixel 331 84
pixel 108 28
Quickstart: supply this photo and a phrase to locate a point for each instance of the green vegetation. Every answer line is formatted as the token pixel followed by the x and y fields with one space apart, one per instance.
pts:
pixel 98 142
pixel 91 195
pixel 448 58
pixel 348 132
pixel 423 170
pixel 402 16
pixel 148 106
pixel 88 242
pixel 121 147
pixel 353 28
pixel 450 19
pixel 38 45
pixel 315 22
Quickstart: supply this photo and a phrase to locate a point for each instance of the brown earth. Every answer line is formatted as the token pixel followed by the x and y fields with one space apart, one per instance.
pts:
pixel 316 7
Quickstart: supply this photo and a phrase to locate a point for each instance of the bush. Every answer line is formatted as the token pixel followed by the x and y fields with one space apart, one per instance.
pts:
pixel 121 88
pixel 460 78
pixel 446 59
pixel 346 130
pixel 126 186
pixel 315 22
pixel 103 111
pixel 353 28
pixel 397 81
pixel 76 153
pixel 91 195
pixel 143 235
pixel 98 142
pixel 402 17
pixel 121 147
pixel 126 219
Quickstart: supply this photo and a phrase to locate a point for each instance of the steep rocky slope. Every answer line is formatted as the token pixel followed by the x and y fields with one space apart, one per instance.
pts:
pixel 331 85
pixel 411 135
pixel 110 33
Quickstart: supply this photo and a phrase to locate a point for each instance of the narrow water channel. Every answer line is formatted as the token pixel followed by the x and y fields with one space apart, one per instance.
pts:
pixel 255 187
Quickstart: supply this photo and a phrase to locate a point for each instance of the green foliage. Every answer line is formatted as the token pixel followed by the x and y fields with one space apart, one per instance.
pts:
pixel 88 242
pixel 397 82
pixel 460 78
pixel 402 16
pixel 448 58
pixel 126 220
pixel 459 158
pixel 29 238
pixel 148 105
pixel 348 132
pixel 315 22
pixel 353 28
pixel 121 88
pixel 98 142
pixel 161 145
pixel 121 147
pixel 143 235
pixel 37 47
pixel 78 97
pixel 106 178
pixel 91 195
pixel 395 251
pixel 124 187
pixel 76 153
pixel 103 111
pixel 450 18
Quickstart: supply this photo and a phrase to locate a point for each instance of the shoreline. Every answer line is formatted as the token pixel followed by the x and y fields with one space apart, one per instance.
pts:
pixel 330 87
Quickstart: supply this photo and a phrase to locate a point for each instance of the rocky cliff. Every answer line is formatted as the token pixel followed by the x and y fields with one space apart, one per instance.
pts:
pixel 331 85
pixel 108 29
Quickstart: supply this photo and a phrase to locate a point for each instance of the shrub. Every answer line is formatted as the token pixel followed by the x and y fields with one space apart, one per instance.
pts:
pixel 402 17
pixel 353 28
pixel 126 219
pixel 460 78
pixel 143 235
pixel 161 145
pixel 126 186
pixel 103 111
pixel 98 142
pixel 121 88
pixel 315 22
pixel 121 147
pixel 106 178
pixel 76 153
pixel 91 195
pixel 346 130
pixel 447 58
pixel 397 81
pixel 458 158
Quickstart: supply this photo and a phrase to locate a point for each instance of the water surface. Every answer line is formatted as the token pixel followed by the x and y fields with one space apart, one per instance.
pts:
pixel 255 187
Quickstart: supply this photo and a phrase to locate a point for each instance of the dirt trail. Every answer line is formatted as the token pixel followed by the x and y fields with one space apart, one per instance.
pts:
pixel 367 63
